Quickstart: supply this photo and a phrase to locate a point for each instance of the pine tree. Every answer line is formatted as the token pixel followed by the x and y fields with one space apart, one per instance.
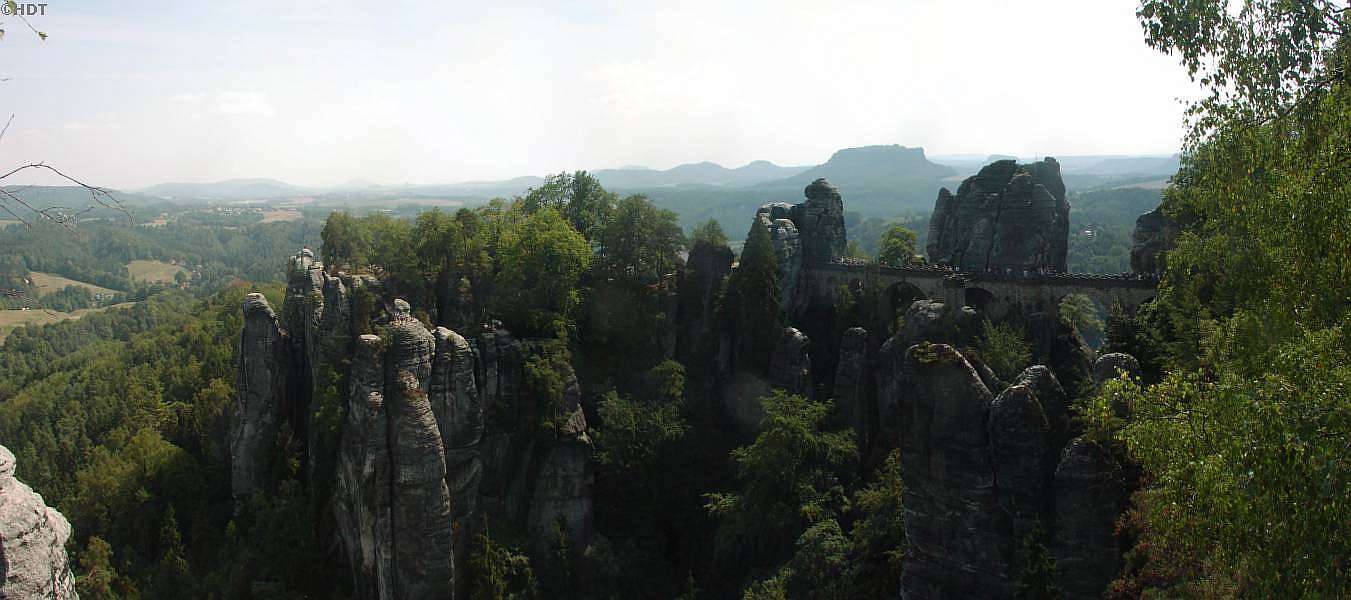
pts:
pixel 751 305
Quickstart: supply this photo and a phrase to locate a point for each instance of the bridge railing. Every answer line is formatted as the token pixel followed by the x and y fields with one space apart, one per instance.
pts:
pixel 1017 275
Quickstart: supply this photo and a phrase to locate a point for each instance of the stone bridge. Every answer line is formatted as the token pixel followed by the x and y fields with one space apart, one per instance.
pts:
pixel 992 293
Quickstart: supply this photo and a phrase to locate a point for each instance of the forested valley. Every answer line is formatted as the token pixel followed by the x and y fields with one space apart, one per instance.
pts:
pixel 567 394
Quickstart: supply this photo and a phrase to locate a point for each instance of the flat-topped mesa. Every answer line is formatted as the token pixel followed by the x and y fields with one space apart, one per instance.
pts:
pixel 1006 218
pixel 33 561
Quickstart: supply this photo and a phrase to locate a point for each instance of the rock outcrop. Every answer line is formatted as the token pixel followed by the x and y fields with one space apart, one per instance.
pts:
pixel 434 431
pixel 1089 494
pixel 33 561
pixel 954 520
pixel 1006 218
pixel 985 475
pixel 811 232
pixel 1024 460
pixel 258 410
pixel 1111 366
pixel 783 232
pixel 1055 404
pixel 854 392
pixel 1154 234
pixel 698 285
pixel 790 367
pixel 821 220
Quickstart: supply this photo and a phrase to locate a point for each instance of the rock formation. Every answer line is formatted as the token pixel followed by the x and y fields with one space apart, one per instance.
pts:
pixel 1055 404
pixel 1111 366
pixel 787 249
pixel 1089 494
pixel 854 393
pixel 698 286
pixel 1007 217
pixel 808 233
pixel 1154 234
pixel 412 457
pixel 1024 460
pixel 985 473
pixel 33 562
pixel 821 221
pixel 953 516
pixel 258 409
pixel 790 367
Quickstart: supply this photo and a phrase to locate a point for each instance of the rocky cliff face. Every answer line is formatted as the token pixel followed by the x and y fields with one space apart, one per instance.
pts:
pixel 1089 495
pixel 33 562
pixel 985 473
pixel 1154 234
pixel 407 446
pixel 790 367
pixel 699 283
pixel 259 405
pixel 1006 217
pixel 855 397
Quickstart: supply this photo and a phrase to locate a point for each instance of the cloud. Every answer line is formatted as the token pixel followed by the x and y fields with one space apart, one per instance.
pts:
pixel 188 98
pixel 247 104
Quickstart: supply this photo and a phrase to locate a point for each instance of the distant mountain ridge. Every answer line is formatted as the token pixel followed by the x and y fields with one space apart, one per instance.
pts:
pixel 874 177
pixel 230 189
pixel 706 173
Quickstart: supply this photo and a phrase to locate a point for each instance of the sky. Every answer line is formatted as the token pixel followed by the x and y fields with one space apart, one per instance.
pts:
pixel 132 93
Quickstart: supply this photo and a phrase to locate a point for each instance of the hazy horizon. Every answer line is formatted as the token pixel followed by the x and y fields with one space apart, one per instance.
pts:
pixel 318 94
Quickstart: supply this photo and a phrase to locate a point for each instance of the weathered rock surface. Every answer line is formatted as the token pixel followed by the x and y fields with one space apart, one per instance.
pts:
pixel 790 367
pixel 1111 366
pixel 1059 346
pixel 1055 404
pixel 1024 460
pixel 362 497
pixel 1088 495
pixel 527 478
pixel 33 561
pixel 807 233
pixel 854 397
pixel 1154 234
pixel 821 221
pixel 1007 217
pixel 459 415
pixel 931 321
pixel 699 283
pixel 954 519
pixel 787 251
pixel 414 457
pixel 985 475
pixel 421 512
pixel 260 384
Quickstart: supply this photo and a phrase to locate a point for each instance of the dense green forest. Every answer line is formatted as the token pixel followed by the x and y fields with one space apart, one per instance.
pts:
pixel 98 252
pixel 1237 430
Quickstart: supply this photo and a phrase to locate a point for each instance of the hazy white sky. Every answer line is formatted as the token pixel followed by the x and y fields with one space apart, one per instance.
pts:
pixel 127 94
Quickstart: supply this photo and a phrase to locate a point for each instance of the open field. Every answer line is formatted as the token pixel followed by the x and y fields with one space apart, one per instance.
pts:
pixel 281 214
pixel 50 283
pixel 153 270
pixel 12 319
